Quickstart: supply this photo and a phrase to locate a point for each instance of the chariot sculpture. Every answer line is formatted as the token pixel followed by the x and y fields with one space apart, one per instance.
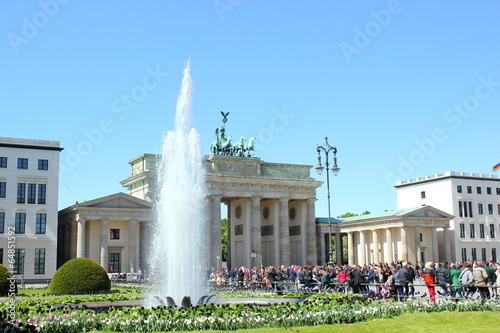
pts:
pixel 223 145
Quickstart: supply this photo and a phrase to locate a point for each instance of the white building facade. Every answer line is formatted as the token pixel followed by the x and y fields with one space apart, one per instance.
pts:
pixel 473 200
pixel 29 181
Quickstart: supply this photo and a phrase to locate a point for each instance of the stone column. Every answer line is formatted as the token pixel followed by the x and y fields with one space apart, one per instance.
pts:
pixel 132 234
pixel 389 255
pixel 417 244
pixel 435 251
pixel 447 250
pixel 338 247
pixel 404 245
pixel 312 254
pixel 375 247
pixel 362 249
pixel 74 237
pixel 284 233
pixel 255 236
pixel 215 234
pixel 350 248
pixel 103 240
pixel 80 237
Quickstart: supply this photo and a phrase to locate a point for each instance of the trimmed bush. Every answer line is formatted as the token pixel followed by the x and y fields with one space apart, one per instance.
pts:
pixel 80 275
pixel 5 282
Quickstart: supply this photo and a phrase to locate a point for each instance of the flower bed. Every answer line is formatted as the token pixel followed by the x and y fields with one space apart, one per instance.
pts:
pixel 319 310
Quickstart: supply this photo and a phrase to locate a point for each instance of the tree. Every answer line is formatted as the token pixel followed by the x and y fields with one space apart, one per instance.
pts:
pixel 223 224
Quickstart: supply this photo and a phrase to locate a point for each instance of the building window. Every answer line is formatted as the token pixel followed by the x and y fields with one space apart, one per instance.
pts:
pixel 483 254
pixel 31 193
pixel 498 190
pixel 421 237
pixel 474 254
pixel 39 261
pixel 480 208
pixel 494 254
pixel 41 223
pixel 498 209
pixel 20 223
pixel 492 230
pixel 460 209
pixel 22 163
pixel 488 190
pixel 462 230
pixel 114 262
pixel 1 256
pixel 469 189
pixel 459 188
pixel 2 222
pixel 21 193
pixel 422 195
pixel 3 189
pixel 472 230
pixel 43 164
pixel 465 208
pixel 3 162
pixel 490 209
pixel 42 193
pixel 470 209
pixel 464 255
pixel 18 267
pixel 481 231
pixel 114 234
pixel 478 189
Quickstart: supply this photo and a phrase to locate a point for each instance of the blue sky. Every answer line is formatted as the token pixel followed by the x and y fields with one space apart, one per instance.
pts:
pixel 403 88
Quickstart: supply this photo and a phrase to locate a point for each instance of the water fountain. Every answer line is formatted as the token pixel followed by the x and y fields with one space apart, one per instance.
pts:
pixel 177 254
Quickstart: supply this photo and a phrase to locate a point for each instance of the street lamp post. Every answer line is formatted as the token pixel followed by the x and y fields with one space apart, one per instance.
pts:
pixel 326 148
pixel 23 252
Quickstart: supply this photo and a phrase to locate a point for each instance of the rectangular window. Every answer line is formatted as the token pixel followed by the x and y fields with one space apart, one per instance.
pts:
pixel 31 193
pixel 464 255
pixel 483 254
pixel 490 209
pixel 2 222
pixel 466 210
pixel 478 189
pixel 421 237
pixel 481 231
pixel 42 193
pixel 469 189
pixel 41 223
pixel 488 190
pixel 3 189
pixel 498 190
pixel 22 163
pixel 492 230
pixel 494 254
pixel 460 209
pixel 18 261
pixel 472 231
pixel 20 223
pixel 459 188
pixel 422 195
pixel 114 263
pixel 1 256
pixel 3 162
pixel 114 234
pixel 470 209
pixel 21 193
pixel 480 208
pixel 498 209
pixel 43 164
pixel 462 230
pixel 39 261
pixel 474 254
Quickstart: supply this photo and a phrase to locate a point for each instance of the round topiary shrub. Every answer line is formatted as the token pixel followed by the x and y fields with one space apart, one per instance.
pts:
pixel 6 283
pixel 80 275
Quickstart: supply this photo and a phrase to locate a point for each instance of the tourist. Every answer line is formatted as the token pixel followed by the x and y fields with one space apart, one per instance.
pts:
pixel 443 278
pixel 481 280
pixel 455 281
pixel 429 280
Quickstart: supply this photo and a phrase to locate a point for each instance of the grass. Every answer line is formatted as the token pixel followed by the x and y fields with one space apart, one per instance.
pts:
pixel 441 322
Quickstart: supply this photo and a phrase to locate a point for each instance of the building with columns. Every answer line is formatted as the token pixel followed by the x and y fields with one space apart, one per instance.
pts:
pixel 406 234
pixel 473 199
pixel 110 230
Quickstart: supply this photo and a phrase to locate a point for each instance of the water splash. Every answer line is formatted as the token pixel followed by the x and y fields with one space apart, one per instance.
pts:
pixel 178 249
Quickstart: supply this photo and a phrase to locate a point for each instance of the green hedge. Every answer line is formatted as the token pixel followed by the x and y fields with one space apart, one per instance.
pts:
pixel 5 282
pixel 78 276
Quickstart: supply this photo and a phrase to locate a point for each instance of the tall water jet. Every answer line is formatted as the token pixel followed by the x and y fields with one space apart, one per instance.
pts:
pixel 177 256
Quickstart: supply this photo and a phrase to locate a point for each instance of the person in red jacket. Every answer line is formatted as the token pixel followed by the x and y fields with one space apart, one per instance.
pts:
pixel 429 280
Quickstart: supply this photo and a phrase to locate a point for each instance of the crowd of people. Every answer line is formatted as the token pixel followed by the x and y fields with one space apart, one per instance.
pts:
pixel 395 280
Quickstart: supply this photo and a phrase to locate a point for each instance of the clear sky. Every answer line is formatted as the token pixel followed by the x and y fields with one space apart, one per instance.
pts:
pixel 403 89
